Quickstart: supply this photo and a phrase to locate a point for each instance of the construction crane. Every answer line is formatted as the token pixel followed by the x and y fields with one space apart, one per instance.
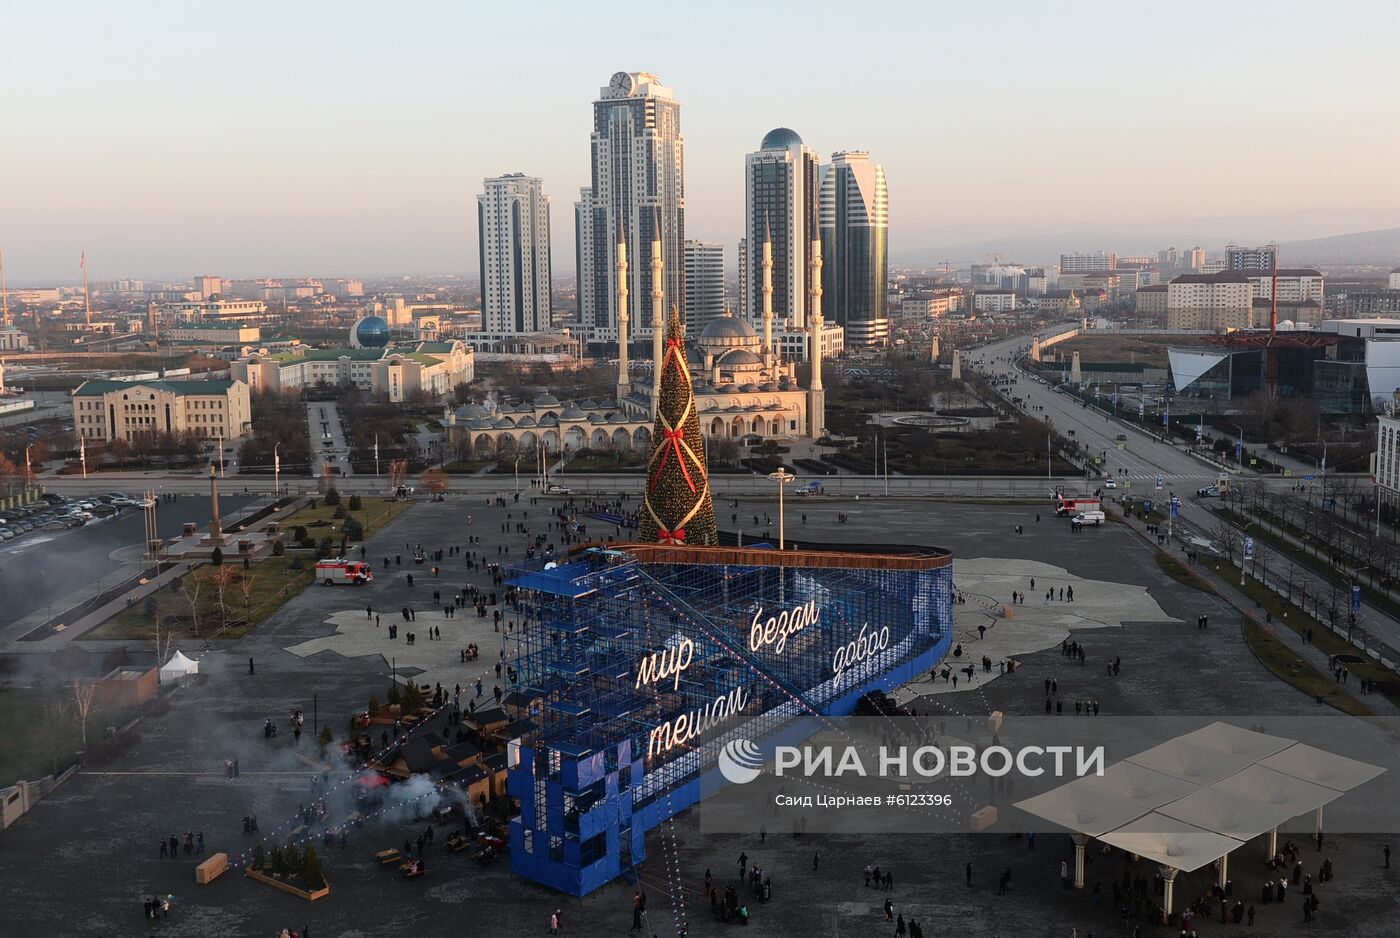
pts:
pixel 4 294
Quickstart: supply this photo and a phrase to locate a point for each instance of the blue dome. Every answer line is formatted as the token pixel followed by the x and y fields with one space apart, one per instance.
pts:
pixel 370 332
pixel 780 138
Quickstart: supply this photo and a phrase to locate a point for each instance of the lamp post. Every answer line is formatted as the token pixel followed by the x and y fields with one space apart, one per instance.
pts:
pixel 276 470
pixel 28 471
pixel 1240 455
pixel 782 477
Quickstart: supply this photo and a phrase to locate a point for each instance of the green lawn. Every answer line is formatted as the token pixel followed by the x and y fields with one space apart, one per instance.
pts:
pixel 271 582
pixel 374 514
pixel 32 749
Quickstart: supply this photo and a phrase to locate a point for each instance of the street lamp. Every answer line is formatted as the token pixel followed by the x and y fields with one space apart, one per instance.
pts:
pixel 1240 455
pixel 782 477
pixel 28 472
pixel 276 470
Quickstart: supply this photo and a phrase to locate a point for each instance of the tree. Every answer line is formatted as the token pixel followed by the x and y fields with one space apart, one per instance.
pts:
pixel 393 694
pixel 162 642
pixel 245 583
pixel 1229 540
pixel 356 504
pixel 217 557
pixel 332 496
pixel 84 693
pixel 312 874
pixel 190 587
pixel 373 704
pixel 412 697
pixel 259 856
pixel 325 739
pixel 221 578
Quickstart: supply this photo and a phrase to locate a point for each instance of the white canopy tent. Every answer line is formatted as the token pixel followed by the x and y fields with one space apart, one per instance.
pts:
pixel 177 667
pixel 1171 842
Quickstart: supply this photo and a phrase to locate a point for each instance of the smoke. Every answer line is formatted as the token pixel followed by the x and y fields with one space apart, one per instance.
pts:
pixel 412 799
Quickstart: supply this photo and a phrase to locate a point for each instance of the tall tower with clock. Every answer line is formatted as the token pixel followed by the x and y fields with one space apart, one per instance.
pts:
pixel 637 197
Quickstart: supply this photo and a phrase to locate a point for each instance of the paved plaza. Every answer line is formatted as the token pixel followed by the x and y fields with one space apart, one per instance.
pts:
pixel 81 861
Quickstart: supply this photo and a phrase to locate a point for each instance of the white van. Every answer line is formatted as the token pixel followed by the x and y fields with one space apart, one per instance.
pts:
pixel 1095 518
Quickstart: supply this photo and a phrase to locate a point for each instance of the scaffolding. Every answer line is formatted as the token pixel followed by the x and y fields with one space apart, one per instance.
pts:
pixel 638 662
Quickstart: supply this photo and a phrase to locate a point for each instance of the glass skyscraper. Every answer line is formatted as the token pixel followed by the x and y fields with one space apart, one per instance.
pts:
pixel 781 181
pixel 855 250
pixel 637 191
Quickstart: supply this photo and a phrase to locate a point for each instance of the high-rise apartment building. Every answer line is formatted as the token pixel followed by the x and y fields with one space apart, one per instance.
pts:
pixel 1238 258
pixel 513 227
pixel 637 194
pixel 855 249
pixel 1086 261
pixel 704 282
pixel 1197 258
pixel 207 285
pixel 781 198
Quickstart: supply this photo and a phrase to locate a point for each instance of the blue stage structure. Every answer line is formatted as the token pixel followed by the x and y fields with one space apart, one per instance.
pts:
pixel 636 663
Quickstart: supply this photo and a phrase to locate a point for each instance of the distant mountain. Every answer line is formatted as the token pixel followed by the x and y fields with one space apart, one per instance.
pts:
pixel 1363 247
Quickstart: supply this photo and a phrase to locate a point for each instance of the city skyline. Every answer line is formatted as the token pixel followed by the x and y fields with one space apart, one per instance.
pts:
pixel 342 143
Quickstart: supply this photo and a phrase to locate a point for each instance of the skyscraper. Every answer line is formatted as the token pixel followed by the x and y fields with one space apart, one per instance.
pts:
pixel 513 227
pixel 704 282
pixel 854 245
pixel 637 193
pixel 781 188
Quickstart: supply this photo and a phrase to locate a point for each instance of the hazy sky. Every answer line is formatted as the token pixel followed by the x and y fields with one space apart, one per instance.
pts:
pixel 346 138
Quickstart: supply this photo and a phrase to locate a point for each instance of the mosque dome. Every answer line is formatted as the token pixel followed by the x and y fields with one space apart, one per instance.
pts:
pixel 728 327
pixel 739 356
pixel 780 138
pixel 369 332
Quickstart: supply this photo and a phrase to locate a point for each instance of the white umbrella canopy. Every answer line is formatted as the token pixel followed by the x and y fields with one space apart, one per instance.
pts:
pixel 1171 842
pixel 1321 768
pixel 1081 810
pixel 1286 795
pixel 1234 740
pixel 1190 762
pixel 1220 812
pixel 1142 786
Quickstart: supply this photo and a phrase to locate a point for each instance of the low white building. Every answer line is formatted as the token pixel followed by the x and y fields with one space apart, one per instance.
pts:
pixel 994 301
pixel 126 410
pixel 434 368
pixel 216 308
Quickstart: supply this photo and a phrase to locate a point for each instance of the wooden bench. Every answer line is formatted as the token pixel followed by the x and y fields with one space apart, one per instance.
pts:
pixel 412 870
pixel 388 857
pixel 211 869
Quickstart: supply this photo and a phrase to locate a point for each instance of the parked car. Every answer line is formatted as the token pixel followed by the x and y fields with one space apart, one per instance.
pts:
pixel 54 525
pixel 1121 438
pixel 6 534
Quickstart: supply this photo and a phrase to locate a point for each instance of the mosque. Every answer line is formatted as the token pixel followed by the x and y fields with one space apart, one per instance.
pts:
pixel 743 387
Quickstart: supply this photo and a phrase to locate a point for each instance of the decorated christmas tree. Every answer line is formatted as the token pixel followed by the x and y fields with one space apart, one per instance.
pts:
pixel 676 508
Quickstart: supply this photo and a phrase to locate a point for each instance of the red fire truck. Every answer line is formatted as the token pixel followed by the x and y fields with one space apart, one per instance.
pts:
pixel 1070 505
pixel 338 570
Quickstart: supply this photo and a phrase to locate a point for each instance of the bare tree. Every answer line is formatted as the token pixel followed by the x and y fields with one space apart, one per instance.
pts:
pixel 84 695
pixel 1262 556
pixel 245 583
pixel 1229 540
pixel 223 575
pixel 190 588
pixel 163 642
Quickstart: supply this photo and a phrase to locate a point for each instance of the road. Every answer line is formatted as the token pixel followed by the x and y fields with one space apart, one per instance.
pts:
pixel 1142 458
pixel 327 437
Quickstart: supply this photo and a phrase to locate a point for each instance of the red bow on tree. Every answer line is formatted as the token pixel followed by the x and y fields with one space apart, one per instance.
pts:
pixel 672 441
pixel 664 536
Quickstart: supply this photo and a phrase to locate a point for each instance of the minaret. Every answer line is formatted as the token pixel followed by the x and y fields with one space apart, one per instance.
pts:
pixel 658 321
pixel 768 293
pixel 816 394
pixel 624 384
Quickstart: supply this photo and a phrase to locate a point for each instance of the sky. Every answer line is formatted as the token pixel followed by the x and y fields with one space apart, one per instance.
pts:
pixel 350 139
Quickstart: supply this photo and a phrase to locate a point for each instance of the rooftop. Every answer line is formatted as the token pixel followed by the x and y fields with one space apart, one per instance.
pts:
pixel 96 388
